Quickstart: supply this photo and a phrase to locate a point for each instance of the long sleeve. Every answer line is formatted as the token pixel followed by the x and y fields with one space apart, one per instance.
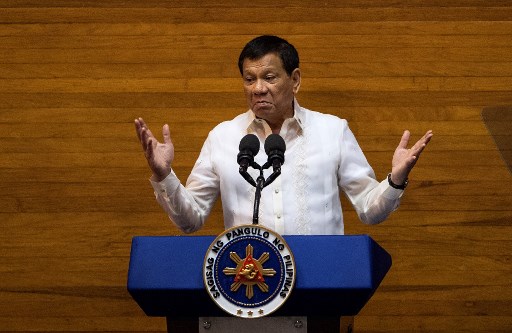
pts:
pixel 189 206
pixel 372 200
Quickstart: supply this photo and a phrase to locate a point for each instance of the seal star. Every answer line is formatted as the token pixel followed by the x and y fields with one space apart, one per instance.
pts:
pixel 249 271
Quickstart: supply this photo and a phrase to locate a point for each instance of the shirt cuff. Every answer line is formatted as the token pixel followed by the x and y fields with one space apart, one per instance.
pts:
pixel 167 186
pixel 390 192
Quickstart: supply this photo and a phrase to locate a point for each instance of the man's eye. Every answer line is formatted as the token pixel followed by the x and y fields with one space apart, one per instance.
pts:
pixel 248 79
pixel 270 77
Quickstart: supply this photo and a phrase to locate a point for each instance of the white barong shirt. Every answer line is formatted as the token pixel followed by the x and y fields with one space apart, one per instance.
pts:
pixel 322 158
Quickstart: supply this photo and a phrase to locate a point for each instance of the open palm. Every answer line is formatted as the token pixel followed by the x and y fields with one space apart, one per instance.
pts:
pixel 405 158
pixel 158 155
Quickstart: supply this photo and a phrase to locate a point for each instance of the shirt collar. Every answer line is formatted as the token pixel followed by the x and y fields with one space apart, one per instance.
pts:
pixel 256 125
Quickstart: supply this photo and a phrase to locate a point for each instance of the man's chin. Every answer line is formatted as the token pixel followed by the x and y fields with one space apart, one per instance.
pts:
pixel 262 109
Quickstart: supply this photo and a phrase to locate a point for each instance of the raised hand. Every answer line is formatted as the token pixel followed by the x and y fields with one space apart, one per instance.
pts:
pixel 159 155
pixel 404 159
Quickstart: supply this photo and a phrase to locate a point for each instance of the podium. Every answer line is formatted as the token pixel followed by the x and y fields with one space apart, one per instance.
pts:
pixel 335 277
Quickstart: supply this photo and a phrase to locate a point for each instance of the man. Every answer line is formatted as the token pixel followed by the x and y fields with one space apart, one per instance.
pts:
pixel 322 157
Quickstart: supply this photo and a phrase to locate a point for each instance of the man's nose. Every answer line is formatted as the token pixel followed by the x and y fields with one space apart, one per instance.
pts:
pixel 260 87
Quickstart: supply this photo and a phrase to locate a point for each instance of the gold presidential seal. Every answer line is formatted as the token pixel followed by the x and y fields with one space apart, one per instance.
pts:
pixel 249 271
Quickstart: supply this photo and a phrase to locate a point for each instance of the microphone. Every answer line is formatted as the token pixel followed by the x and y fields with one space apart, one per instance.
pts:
pixel 249 146
pixel 275 148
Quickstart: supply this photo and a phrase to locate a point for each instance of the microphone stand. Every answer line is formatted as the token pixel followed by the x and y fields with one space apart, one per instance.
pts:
pixel 274 147
pixel 260 184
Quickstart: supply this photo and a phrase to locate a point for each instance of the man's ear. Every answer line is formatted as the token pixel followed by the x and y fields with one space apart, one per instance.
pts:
pixel 296 80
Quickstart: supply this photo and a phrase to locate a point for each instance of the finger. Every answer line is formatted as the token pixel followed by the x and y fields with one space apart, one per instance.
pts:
pixel 408 164
pixel 137 127
pixel 428 136
pixel 167 134
pixel 149 133
pixel 416 154
pixel 422 143
pixel 144 139
pixel 404 140
pixel 149 150
pixel 142 122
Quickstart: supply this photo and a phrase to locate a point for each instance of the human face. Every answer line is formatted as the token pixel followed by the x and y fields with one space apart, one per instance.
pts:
pixel 269 90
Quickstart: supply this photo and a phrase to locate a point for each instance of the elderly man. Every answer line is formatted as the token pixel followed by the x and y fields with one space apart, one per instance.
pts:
pixel 322 157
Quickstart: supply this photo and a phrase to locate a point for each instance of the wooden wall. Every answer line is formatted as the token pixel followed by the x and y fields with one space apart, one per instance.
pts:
pixel 74 183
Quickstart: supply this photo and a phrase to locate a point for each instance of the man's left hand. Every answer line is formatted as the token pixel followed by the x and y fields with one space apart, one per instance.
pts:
pixel 404 159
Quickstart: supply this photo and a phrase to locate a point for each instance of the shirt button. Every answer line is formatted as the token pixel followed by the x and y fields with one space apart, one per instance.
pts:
pixel 278 216
pixel 276 190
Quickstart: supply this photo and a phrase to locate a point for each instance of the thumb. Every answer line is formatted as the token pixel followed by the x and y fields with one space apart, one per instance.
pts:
pixel 166 134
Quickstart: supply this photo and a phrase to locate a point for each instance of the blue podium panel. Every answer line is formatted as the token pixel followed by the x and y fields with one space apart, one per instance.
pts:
pixel 335 275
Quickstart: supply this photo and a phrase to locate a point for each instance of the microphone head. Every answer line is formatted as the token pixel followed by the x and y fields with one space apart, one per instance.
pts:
pixel 275 148
pixel 274 142
pixel 250 143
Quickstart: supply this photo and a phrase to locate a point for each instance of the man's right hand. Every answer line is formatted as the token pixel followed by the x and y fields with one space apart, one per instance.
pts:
pixel 159 155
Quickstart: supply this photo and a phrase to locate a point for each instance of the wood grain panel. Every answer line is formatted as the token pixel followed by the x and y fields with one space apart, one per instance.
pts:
pixel 74 185
pixel 451 28
pixel 224 41
pixel 252 14
pixel 261 3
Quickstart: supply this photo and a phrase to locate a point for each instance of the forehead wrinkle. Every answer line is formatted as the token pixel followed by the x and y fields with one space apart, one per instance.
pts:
pixel 266 61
